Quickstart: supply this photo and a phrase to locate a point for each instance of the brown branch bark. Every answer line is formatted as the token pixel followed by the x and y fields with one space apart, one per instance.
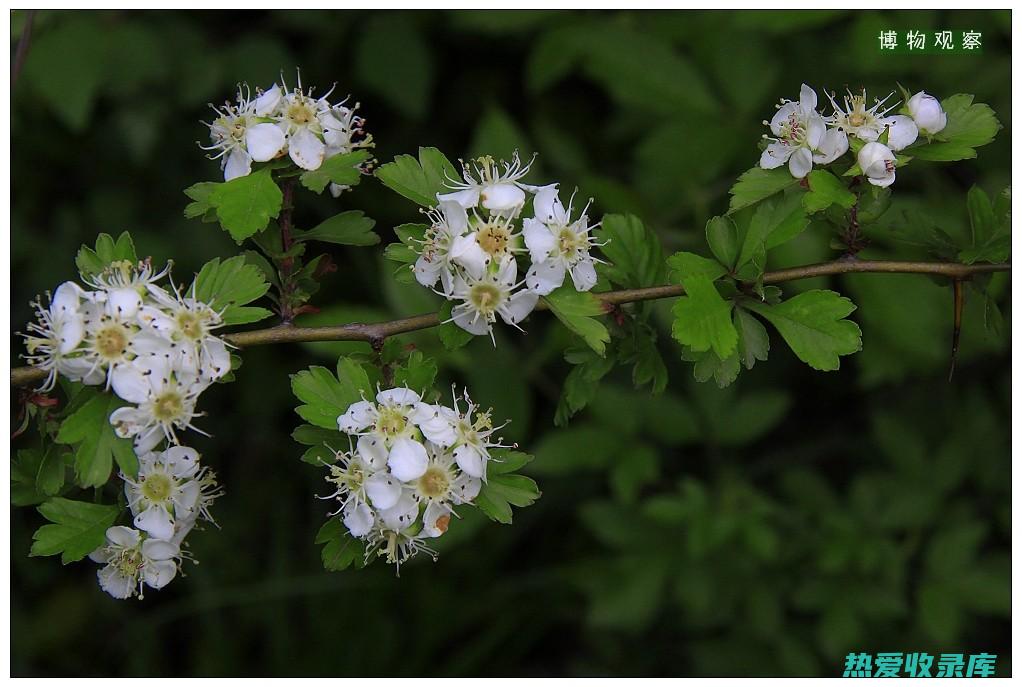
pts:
pixel 379 331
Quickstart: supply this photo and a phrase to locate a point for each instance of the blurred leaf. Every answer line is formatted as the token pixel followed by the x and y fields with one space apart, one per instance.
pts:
pixel 340 550
pixel 499 136
pixel 393 59
pixel 582 382
pixel 633 249
pixel 417 373
pixel 78 529
pixel 321 441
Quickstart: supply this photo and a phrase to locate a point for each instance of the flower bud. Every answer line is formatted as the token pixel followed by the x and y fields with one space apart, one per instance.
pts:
pixel 877 162
pixel 926 110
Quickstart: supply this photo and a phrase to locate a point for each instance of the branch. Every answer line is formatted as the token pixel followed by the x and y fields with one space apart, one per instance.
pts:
pixel 375 333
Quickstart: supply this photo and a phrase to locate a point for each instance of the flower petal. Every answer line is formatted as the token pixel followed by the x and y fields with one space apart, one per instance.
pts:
pixel 470 460
pixel 801 163
pixel 306 150
pixel 264 141
pixel 156 522
pixel 383 490
pixel 407 459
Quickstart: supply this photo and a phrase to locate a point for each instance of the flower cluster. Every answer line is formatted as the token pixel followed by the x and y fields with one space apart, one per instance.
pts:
pixel 167 498
pixel 278 122
pixel 476 234
pixel 408 464
pixel 154 348
pixel 803 137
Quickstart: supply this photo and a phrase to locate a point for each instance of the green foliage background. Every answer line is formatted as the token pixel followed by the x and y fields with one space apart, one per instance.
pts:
pixel 768 528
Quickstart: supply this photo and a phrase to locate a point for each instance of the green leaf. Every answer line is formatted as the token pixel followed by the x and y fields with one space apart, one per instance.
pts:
pixel 813 324
pixel 633 249
pixel 351 228
pixel 981 216
pixel 344 170
pixel 24 477
pixel 707 365
pixel 968 124
pixel 50 476
pixel 702 319
pixel 753 340
pixel 758 184
pixel 722 236
pixel 325 396
pixel 201 205
pixel 501 491
pixel 773 223
pixel 684 266
pixel 91 262
pixel 78 529
pixel 417 373
pixel 231 284
pixel 944 152
pixel 825 190
pixel 579 387
pixel 419 180
pixel 245 205
pixel 577 311
pixel 89 430
pixel 504 461
pixel 394 59
pixel 451 335
pixel 340 549
pixel 320 442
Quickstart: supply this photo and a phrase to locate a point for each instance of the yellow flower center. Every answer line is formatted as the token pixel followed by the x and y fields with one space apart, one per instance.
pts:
pixel 485 298
pixel 190 325
pixel 168 406
pixel 128 562
pixel 112 341
pixel 300 113
pixel 567 241
pixel 494 239
pixel 391 422
pixel 157 487
pixel 434 483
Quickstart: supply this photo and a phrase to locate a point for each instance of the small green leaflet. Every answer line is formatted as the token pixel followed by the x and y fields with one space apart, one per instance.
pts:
pixel 825 190
pixel 232 284
pixel 969 126
pixel 577 311
pixel 813 325
pixel 351 228
pixel 707 365
pixel 990 228
pixel 244 205
pixel 579 387
pixel 753 340
pixel 78 529
pixel 772 223
pixel 419 180
pixel 685 266
pixel 320 442
pixel 758 184
pixel 340 169
pixel 503 489
pixel 91 262
pixel 633 249
pixel 340 549
pixel 702 319
pixel 417 373
pixel 325 396
pixel 88 429
pixel 722 237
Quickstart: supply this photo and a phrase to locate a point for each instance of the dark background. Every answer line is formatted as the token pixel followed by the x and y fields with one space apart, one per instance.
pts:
pixel 765 529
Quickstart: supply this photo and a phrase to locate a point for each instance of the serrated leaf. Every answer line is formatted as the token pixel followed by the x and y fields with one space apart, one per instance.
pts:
pixel 93 261
pixel 580 385
pixel 968 123
pixel 708 365
pixel 577 311
pixel 825 190
pixel 501 491
pixel 343 170
pixel 504 461
pixel 50 476
pixel 231 284
pixel 325 396
pixel 245 205
pixel 684 266
pixel 753 340
pixel 813 325
pixel 757 184
pixel 351 228
pixel 96 445
pixel 78 529
pixel 419 180
pixel 340 550
pixel 417 373
pixel 633 249
pixel 702 319
pixel 320 441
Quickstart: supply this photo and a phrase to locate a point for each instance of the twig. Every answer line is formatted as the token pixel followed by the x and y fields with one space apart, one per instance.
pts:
pixel 23 44
pixel 379 331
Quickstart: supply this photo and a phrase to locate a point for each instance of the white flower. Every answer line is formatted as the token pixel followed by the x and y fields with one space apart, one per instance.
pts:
pixel 165 400
pixel 492 241
pixel 877 162
pixel 58 331
pixel 440 488
pixel 386 433
pixel 448 221
pixel 187 324
pixel 171 486
pixel 395 546
pixel 359 489
pixel 472 444
pixel 241 134
pixel 486 295
pixel 798 131
pixel 131 561
pixel 491 185
pixel 927 113
pixel 868 124
pixel 558 245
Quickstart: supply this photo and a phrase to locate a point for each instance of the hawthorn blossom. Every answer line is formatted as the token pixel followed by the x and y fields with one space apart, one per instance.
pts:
pixel 798 134
pixel 927 112
pixel 558 245
pixel 59 329
pixel 877 162
pixel 386 433
pixel 241 134
pixel 448 222
pixel 170 487
pixel 868 124
pixel 486 295
pixel 491 185
pixel 132 560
